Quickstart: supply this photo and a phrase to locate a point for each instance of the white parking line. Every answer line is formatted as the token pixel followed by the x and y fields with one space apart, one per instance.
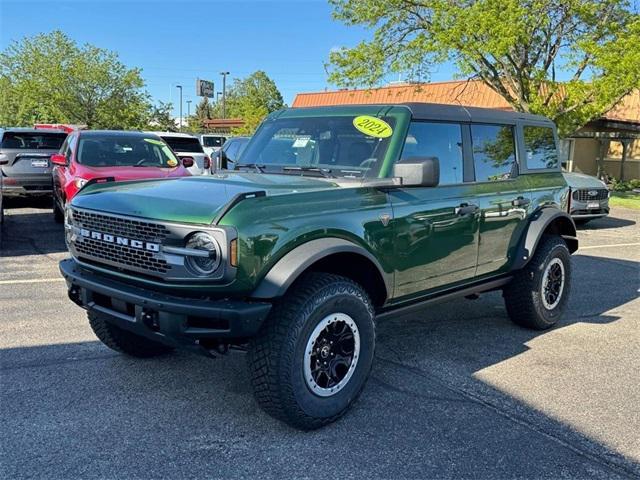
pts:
pixel 611 245
pixel 31 280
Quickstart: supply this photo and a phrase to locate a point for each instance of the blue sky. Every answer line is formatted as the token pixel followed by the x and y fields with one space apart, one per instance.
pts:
pixel 179 41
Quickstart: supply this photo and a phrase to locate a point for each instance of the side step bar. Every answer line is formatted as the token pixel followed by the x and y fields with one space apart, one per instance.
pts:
pixel 441 297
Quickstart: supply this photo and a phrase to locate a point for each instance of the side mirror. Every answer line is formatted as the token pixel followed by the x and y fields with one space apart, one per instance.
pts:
pixel 418 171
pixel 223 160
pixel 187 162
pixel 58 159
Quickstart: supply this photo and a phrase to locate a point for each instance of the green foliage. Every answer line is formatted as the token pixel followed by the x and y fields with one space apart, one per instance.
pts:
pixel 514 46
pixel 161 118
pixel 620 186
pixel 49 78
pixel 252 99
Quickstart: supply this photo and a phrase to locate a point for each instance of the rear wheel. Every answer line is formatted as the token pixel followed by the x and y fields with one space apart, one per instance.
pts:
pixel 313 355
pixel 58 214
pixel 537 296
pixel 123 341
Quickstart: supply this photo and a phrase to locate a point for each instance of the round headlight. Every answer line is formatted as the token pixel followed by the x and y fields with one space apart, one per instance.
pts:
pixel 205 264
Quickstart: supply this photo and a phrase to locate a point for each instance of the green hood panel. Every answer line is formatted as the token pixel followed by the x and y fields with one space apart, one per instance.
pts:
pixel 188 199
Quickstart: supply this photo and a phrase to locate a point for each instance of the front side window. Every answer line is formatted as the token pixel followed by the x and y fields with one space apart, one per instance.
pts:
pixel 333 144
pixel 494 156
pixel 124 151
pixel 441 140
pixel 540 146
pixel 33 140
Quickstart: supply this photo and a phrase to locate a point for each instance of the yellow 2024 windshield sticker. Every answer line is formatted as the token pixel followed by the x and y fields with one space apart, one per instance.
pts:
pixel 172 163
pixel 372 126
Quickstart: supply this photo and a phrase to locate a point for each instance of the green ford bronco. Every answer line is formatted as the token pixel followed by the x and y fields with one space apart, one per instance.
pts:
pixel 333 218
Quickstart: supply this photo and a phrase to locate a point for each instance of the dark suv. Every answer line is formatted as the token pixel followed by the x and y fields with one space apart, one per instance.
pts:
pixel 25 160
pixel 335 218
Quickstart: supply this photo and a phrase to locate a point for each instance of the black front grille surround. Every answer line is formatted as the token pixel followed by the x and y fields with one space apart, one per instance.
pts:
pixel 141 247
pixel 582 194
pixel 124 227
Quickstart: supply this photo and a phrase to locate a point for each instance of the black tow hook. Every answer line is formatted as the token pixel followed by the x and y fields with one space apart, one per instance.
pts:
pixel 150 319
pixel 75 295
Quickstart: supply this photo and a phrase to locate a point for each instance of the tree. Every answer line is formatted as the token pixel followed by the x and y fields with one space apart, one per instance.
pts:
pixel 251 99
pixel 49 78
pixel 514 46
pixel 204 111
pixel 161 118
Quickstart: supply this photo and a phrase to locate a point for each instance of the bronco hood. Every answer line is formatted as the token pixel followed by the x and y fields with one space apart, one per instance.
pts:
pixel 188 199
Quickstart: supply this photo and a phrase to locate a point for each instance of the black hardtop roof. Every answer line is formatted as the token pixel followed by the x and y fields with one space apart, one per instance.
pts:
pixel 431 111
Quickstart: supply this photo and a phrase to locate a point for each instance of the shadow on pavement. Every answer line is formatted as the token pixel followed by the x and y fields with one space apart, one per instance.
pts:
pixel 78 410
pixel 31 233
pixel 605 222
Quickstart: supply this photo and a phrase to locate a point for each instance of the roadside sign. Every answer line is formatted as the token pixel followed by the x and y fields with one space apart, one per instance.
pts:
pixel 204 88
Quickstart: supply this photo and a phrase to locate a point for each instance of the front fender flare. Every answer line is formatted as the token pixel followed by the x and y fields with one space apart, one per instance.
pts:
pixel 541 221
pixel 294 263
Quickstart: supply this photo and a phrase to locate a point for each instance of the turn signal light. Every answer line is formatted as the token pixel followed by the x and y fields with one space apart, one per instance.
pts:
pixel 233 253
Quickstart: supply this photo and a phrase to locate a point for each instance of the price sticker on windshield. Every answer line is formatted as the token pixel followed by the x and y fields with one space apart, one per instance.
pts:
pixel 372 126
pixel 172 163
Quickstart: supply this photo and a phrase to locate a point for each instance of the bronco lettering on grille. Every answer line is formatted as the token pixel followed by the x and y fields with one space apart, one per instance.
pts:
pixel 105 237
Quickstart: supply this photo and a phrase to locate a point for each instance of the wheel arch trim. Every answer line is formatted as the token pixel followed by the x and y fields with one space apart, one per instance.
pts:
pixel 542 220
pixel 286 270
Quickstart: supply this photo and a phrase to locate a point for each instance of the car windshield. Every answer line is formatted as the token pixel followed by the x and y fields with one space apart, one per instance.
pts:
pixel 344 146
pixel 209 141
pixel 33 140
pixel 184 144
pixel 125 151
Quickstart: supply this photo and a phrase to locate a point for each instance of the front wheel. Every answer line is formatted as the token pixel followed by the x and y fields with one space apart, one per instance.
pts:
pixel 536 298
pixel 313 355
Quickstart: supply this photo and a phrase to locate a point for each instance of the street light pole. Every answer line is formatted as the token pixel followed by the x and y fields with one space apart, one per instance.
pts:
pixel 180 121
pixel 188 109
pixel 224 93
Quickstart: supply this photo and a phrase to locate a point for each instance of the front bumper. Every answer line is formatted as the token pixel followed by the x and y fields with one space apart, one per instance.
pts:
pixel 174 321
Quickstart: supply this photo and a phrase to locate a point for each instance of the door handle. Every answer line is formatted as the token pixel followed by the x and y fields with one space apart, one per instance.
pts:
pixel 466 209
pixel 520 202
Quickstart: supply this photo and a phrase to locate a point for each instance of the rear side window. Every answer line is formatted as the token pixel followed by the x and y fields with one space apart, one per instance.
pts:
pixel 540 146
pixel 32 140
pixel 494 156
pixel 184 144
pixel 441 140
pixel 210 141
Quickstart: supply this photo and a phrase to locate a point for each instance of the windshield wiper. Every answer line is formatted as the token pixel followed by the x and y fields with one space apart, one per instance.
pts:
pixel 258 167
pixel 325 172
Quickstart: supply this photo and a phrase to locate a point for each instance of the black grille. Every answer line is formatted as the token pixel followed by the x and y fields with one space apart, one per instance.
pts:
pixel 123 227
pixel 583 195
pixel 123 256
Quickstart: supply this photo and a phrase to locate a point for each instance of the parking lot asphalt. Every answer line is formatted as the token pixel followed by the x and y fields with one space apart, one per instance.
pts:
pixel 456 391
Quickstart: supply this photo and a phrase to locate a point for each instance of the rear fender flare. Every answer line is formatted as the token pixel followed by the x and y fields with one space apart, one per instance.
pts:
pixel 543 220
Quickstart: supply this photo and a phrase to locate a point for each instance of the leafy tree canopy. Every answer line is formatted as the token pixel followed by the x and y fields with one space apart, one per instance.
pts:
pixel 161 118
pixel 49 78
pixel 251 99
pixel 514 46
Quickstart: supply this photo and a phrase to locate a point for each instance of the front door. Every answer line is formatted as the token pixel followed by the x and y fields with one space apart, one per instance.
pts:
pixel 435 229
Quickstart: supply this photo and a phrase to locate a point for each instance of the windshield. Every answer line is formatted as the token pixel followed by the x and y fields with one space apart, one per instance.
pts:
pixel 345 146
pixel 125 151
pixel 32 141
pixel 209 141
pixel 184 144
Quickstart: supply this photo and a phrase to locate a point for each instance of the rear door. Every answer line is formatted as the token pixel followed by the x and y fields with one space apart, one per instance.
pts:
pixel 501 193
pixel 435 228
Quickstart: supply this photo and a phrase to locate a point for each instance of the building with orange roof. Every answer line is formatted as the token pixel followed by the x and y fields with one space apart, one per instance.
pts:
pixel 607 145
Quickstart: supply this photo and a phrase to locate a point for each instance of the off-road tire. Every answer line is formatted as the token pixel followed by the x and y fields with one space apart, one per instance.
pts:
pixel 276 355
pixel 123 341
pixel 523 295
pixel 58 215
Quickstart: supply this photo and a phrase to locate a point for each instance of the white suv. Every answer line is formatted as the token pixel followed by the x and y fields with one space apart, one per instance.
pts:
pixel 185 145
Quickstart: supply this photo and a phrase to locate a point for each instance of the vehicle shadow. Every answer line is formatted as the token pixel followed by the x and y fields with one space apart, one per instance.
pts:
pixel 79 409
pixel 605 223
pixel 31 233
